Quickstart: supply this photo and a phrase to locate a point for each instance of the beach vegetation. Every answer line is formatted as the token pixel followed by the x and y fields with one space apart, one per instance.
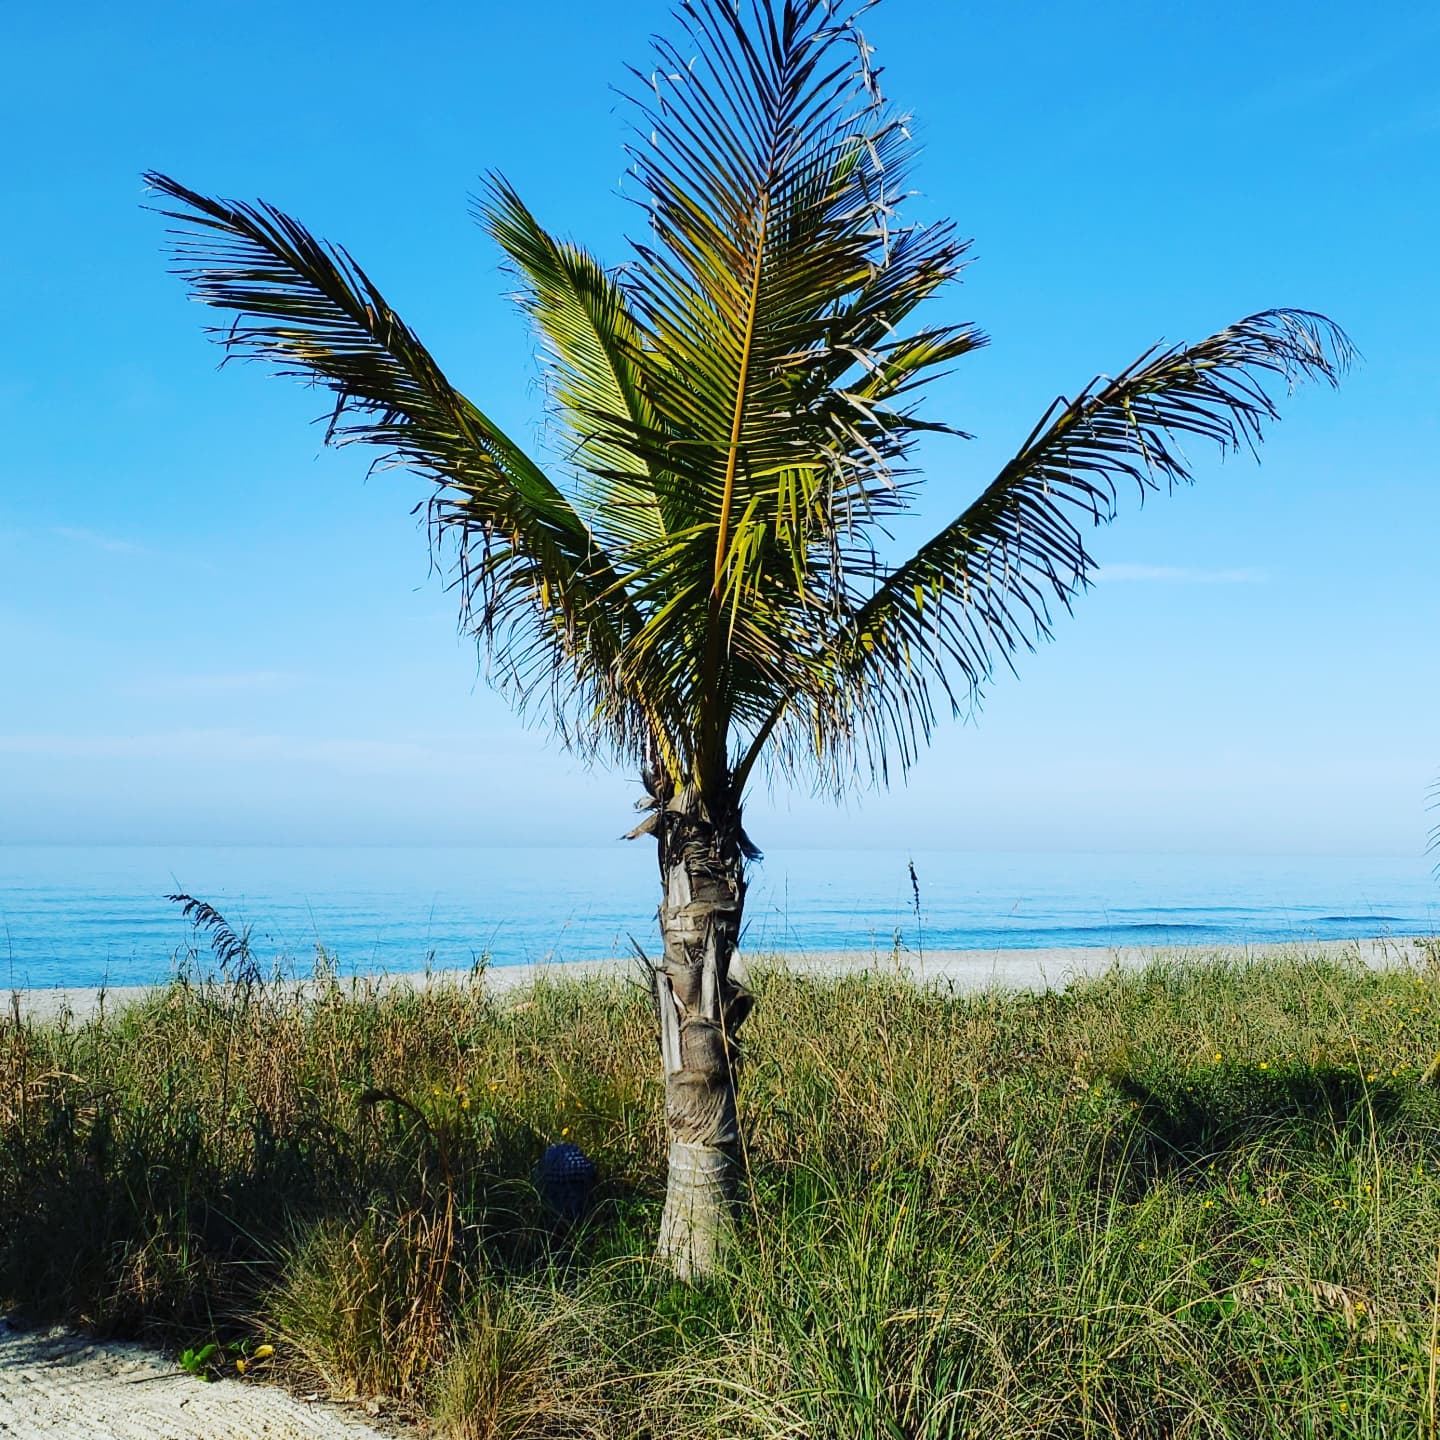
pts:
pixel 1201 1198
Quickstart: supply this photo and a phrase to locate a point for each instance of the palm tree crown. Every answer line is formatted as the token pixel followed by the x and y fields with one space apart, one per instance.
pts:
pixel 700 583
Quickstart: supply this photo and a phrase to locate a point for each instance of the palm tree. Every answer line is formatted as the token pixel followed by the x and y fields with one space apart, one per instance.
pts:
pixel 699 584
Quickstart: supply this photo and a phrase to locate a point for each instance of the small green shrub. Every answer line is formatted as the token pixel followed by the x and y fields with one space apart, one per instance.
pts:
pixel 522 1363
pixel 365 1303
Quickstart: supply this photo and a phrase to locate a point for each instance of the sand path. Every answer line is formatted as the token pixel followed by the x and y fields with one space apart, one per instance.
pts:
pixel 57 1386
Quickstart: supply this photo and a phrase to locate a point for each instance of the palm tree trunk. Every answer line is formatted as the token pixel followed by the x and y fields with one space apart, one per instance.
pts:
pixel 700 1004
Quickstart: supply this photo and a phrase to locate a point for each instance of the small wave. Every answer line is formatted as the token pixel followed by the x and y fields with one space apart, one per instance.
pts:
pixel 1184 910
pixel 1139 925
pixel 1363 920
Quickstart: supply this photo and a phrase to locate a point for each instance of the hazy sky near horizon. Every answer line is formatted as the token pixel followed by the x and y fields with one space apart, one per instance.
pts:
pixel 214 631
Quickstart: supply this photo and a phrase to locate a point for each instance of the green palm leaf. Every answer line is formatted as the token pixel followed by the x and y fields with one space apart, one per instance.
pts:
pixel 530 573
pixel 984 586
pixel 597 367
pixel 1433 842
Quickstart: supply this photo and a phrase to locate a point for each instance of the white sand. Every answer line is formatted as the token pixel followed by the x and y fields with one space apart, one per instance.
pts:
pixel 962 969
pixel 57 1386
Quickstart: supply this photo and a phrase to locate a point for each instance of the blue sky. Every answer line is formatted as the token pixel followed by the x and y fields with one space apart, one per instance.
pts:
pixel 211 630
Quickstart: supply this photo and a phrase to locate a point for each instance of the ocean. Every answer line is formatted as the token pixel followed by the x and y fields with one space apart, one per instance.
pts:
pixel 88 916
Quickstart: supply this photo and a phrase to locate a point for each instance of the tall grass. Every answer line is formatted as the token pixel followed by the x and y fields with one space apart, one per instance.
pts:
pixel 1202 1199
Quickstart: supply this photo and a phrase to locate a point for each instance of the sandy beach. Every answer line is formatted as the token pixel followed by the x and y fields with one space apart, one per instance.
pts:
pixel 1045 969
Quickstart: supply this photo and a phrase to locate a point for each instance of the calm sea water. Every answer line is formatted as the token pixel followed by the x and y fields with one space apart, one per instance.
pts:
pixel 87 916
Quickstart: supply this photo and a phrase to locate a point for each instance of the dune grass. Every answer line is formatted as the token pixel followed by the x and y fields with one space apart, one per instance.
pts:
pixel 1202 1199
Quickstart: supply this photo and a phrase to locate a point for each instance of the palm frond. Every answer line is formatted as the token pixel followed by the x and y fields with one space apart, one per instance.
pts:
pixel 596 361
pixel 530 573
pixel 771 288
pixel 1433 842
pixel 987 584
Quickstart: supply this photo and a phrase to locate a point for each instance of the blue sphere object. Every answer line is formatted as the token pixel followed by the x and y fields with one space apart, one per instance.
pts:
pixel 565 1178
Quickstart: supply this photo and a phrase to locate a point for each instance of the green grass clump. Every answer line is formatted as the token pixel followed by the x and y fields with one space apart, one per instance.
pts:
pixel 1200 1199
